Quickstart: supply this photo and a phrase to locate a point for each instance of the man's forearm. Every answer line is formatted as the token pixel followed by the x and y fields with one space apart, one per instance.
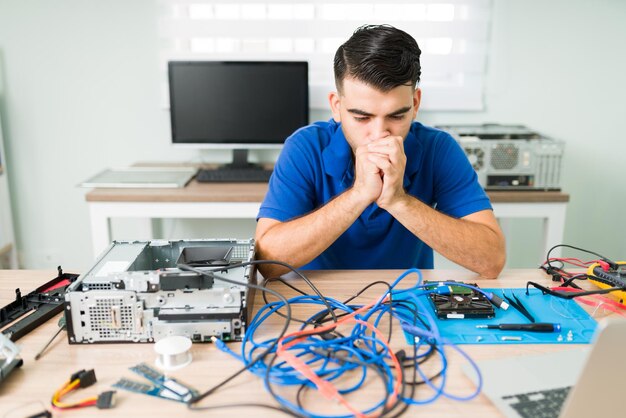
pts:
pixel 475 246
pixel 300 240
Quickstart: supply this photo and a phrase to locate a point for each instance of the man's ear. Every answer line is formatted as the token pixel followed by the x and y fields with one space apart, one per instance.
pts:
pixel 417 99
pixel 335 105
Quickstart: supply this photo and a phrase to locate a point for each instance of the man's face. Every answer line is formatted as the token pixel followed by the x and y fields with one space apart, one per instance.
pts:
pixel 367 114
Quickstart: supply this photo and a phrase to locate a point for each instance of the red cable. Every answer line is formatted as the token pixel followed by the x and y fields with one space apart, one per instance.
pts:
pixel 326 388
pixel 613 306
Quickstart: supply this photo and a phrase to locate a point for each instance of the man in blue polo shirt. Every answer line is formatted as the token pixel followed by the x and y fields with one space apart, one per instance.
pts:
pixel 371 188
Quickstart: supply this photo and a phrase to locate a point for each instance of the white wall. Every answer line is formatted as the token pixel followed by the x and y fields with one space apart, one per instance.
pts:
pixel 7 236
pixel 80 91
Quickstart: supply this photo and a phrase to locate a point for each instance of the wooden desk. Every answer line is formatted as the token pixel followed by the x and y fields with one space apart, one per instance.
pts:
pixel 37 380
pixel 242 201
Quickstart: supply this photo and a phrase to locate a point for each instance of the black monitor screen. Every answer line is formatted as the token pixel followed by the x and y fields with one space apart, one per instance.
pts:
pixel 216 102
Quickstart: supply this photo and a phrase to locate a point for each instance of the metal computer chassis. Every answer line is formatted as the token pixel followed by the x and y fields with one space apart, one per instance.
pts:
pixel 135 293
pixel 510 157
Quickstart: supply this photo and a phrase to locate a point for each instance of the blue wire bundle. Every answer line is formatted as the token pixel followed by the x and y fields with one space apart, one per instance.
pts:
pixel 359 354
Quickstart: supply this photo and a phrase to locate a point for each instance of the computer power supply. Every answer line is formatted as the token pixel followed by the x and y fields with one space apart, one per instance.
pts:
pixel 510 157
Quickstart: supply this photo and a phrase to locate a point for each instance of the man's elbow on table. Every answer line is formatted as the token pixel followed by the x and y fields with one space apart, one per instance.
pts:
pixel 491 267
pixel 265 251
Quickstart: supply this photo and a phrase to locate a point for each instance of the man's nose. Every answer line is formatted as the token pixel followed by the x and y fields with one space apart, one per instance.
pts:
pixel 379 129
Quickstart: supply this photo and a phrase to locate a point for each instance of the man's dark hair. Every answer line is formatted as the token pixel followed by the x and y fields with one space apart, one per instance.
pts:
pixel 381 56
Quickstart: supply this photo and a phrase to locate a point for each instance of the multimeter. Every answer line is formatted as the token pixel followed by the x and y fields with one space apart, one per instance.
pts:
pixel 613 277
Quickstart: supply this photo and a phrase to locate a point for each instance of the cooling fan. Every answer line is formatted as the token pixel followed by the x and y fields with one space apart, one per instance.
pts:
pixel 504 156
pixel 476 157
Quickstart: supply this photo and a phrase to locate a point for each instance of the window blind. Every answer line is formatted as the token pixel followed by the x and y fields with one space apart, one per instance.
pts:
pixel 453 36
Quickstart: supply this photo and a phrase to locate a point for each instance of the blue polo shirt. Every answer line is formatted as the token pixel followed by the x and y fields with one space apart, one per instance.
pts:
pixel 316 165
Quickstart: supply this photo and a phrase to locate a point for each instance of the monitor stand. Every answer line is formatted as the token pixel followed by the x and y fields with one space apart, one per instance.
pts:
pixel 239 171
pixel 240 160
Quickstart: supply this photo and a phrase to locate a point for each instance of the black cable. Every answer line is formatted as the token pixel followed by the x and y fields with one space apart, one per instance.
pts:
pixel 277 311
pixel 578 249
pixel 558 273
pixel 261 356
pixel 376 368
pixel 572 295
pixel 322 317
pixel 603 258
pixel 319 319
pixel 247 405
pixel 570 282
pixel 302 276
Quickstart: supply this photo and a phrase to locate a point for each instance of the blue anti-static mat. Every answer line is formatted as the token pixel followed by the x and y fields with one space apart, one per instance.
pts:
pixel 577 326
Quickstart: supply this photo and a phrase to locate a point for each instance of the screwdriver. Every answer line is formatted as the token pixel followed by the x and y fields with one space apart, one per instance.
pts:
pixel 61 328
pixel 536 327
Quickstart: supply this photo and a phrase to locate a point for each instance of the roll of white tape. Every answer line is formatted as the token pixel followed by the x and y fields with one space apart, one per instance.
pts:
pixel 173 352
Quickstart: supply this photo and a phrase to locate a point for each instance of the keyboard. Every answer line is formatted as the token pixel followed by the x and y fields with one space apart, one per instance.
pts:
pixel 234 175
pixel 540 404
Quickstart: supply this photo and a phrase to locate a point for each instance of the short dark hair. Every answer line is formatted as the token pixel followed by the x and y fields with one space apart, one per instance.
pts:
pixel 381 56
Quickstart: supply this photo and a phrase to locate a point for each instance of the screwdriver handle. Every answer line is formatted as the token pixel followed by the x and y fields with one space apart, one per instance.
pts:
pixel 536 327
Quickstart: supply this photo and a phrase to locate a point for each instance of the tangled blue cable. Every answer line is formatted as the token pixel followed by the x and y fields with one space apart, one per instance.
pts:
pixel 360 352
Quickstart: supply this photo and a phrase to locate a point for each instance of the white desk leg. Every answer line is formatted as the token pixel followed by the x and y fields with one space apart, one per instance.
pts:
pixel 100 229
pixel 553 229
pixel 101 214
pixel 551 214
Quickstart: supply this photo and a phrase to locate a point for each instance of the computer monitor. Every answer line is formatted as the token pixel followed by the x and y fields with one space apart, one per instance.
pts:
pixel 237 105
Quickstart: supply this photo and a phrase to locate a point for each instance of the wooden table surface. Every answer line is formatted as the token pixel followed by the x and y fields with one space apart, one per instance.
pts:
pixel 255 192
pixel 35 381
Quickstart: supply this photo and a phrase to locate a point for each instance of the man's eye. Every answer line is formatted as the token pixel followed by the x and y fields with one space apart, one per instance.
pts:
pixel 397 117
pixel 361 118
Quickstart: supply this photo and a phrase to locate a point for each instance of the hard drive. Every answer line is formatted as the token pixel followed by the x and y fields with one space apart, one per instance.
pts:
pixel 462 302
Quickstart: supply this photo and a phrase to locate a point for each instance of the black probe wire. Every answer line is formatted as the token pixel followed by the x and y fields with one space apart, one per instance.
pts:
pixel 603 258
pixel 572 295
pixel 553 268
pixel 557 272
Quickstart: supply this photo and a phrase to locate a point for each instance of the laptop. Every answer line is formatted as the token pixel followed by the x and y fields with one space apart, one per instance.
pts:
pixel 142 177
pixel 578 383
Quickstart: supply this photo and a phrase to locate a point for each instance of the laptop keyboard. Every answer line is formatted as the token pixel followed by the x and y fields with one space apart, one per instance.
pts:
pixel 540 404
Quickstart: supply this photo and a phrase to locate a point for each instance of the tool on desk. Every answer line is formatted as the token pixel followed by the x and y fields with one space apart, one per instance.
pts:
pixel 517 304
pixel 608 276
pixel 536 327
pixel 162 386
pixel 61 328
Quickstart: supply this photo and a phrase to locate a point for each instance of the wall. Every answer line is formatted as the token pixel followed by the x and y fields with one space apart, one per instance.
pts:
pixel 81 92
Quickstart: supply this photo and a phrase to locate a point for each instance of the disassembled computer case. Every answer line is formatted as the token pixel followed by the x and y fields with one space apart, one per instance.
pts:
pixel 510 157
pixel 136 293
